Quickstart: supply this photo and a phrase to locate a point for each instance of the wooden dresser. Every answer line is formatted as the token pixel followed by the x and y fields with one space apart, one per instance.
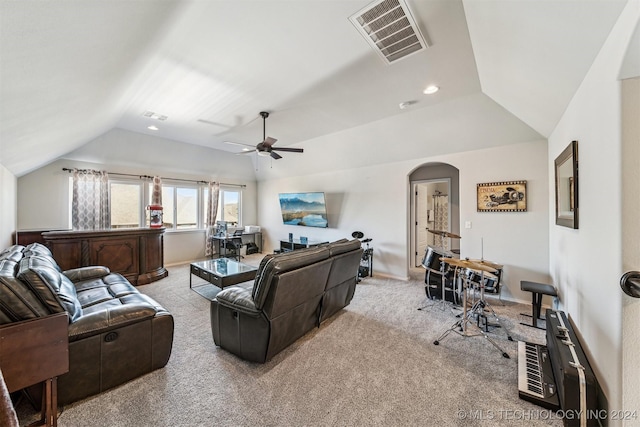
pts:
pixel 136 253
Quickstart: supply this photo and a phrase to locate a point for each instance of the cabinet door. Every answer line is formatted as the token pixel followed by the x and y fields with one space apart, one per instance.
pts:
pixel 120 255
pixel 67 253
pixel 153 253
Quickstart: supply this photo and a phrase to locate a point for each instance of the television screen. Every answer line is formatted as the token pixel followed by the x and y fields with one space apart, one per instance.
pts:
pixel 306 209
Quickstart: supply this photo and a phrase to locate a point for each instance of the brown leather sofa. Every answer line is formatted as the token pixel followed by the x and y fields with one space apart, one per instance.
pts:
pixel 292 293
pixel 115 333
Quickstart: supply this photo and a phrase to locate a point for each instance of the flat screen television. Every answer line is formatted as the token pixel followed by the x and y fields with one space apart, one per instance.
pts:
pixel 306 209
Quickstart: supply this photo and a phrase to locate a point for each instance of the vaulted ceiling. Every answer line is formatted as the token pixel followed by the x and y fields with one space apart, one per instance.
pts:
pixel 72 70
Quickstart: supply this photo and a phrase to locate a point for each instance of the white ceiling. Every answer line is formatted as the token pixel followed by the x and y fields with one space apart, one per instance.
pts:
pixel 72 70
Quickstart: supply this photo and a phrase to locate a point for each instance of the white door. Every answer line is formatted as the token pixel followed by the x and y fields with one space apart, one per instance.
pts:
pixel 630 238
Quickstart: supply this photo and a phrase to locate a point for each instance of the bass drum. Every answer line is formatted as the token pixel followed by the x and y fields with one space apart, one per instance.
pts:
pixel 432 259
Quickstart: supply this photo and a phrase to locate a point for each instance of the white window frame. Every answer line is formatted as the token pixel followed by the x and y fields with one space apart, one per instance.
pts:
pixel 142 192
pixel 199 203
pixel 221 203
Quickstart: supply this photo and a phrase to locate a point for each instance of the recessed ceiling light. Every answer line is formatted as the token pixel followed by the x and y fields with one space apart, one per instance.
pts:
pixel 430 90
pixel 152 127
pixel 246 149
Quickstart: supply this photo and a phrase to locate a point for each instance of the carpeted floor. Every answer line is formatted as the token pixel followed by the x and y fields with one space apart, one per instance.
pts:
pixel 372 364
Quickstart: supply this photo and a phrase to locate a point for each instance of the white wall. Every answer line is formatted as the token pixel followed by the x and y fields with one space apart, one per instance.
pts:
pixel 43 195
pixel 375 200
pixel 586 263
pixel 8 197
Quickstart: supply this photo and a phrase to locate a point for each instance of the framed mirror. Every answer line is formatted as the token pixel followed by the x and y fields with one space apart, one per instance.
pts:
pixel 567 186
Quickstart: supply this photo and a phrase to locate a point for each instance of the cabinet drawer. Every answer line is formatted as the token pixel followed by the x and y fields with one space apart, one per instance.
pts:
pixel 197 271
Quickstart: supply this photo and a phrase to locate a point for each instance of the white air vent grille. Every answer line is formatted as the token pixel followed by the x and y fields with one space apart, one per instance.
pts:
pixel 390 29
pixel 155 116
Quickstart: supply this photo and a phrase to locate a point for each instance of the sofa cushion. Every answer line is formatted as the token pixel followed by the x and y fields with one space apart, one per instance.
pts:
pixel 96 291
pixel 53 288
pixel 112 314
pixel 86 273
pixel 17 302
pixel 12 252
pixel 281 263
pixel 40 250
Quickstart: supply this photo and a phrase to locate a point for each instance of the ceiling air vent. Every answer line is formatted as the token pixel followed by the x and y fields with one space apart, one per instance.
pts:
pixel 389 28
pixel 155 116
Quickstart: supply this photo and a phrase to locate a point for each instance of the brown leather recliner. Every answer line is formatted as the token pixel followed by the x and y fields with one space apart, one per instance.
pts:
pixel 115 333
pixel 291 294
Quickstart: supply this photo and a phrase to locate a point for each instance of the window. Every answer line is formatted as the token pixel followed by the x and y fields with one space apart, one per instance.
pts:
pixel 229 206
pixel 126 206
pixel 180 207
pixel 184 206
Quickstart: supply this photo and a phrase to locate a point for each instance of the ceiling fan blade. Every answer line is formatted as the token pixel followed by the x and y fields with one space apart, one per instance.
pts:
pixel 292 150
pixel 269 141
pixel 239 143
pixel 276 155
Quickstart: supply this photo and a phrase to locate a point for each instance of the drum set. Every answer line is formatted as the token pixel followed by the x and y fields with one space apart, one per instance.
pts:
pixel 466 280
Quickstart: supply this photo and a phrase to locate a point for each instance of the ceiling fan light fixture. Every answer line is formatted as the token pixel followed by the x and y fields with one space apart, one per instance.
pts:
pixel 264 153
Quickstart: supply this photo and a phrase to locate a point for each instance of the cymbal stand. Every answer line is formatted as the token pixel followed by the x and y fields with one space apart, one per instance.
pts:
pixel 461 326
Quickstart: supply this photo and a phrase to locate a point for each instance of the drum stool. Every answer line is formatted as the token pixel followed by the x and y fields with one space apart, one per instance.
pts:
pixel 538 290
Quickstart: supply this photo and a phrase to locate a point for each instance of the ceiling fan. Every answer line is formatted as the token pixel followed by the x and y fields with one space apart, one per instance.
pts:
pixel 265 148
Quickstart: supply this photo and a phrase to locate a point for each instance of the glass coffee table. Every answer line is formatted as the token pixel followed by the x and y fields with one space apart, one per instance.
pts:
pixel 222 272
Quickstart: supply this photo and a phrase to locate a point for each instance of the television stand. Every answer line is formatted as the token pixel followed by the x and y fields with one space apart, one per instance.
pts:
pixel 295 244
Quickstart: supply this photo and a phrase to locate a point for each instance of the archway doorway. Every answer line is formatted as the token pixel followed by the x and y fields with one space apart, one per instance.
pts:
pixel 434 206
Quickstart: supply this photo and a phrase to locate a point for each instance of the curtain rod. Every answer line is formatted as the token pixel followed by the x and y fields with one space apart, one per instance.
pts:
pixel 150 177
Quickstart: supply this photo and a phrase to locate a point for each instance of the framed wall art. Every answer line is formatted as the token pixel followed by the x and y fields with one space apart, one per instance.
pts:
pixel 567 186
pixel 506 196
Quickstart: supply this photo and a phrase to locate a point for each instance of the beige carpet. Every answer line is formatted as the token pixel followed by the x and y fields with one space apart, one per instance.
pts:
pixel 373 364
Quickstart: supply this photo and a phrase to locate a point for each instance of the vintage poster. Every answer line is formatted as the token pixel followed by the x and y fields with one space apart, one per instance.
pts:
pixel 507 196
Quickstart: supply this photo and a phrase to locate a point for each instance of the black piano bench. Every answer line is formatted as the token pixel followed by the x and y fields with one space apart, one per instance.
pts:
pixel 538 290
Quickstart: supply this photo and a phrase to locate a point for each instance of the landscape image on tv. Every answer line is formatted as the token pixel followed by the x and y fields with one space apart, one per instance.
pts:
pixel 306 209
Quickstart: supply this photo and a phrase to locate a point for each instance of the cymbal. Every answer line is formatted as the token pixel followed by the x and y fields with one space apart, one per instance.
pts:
pixel 464 263
pixel 445 234
pixel 489 263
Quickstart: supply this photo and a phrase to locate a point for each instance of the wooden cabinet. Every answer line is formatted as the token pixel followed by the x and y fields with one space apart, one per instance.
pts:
pixel 34 351
pixel 136 253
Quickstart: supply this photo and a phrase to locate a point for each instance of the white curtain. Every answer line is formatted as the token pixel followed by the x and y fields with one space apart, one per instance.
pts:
pixel 90 206
pixel 212 212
